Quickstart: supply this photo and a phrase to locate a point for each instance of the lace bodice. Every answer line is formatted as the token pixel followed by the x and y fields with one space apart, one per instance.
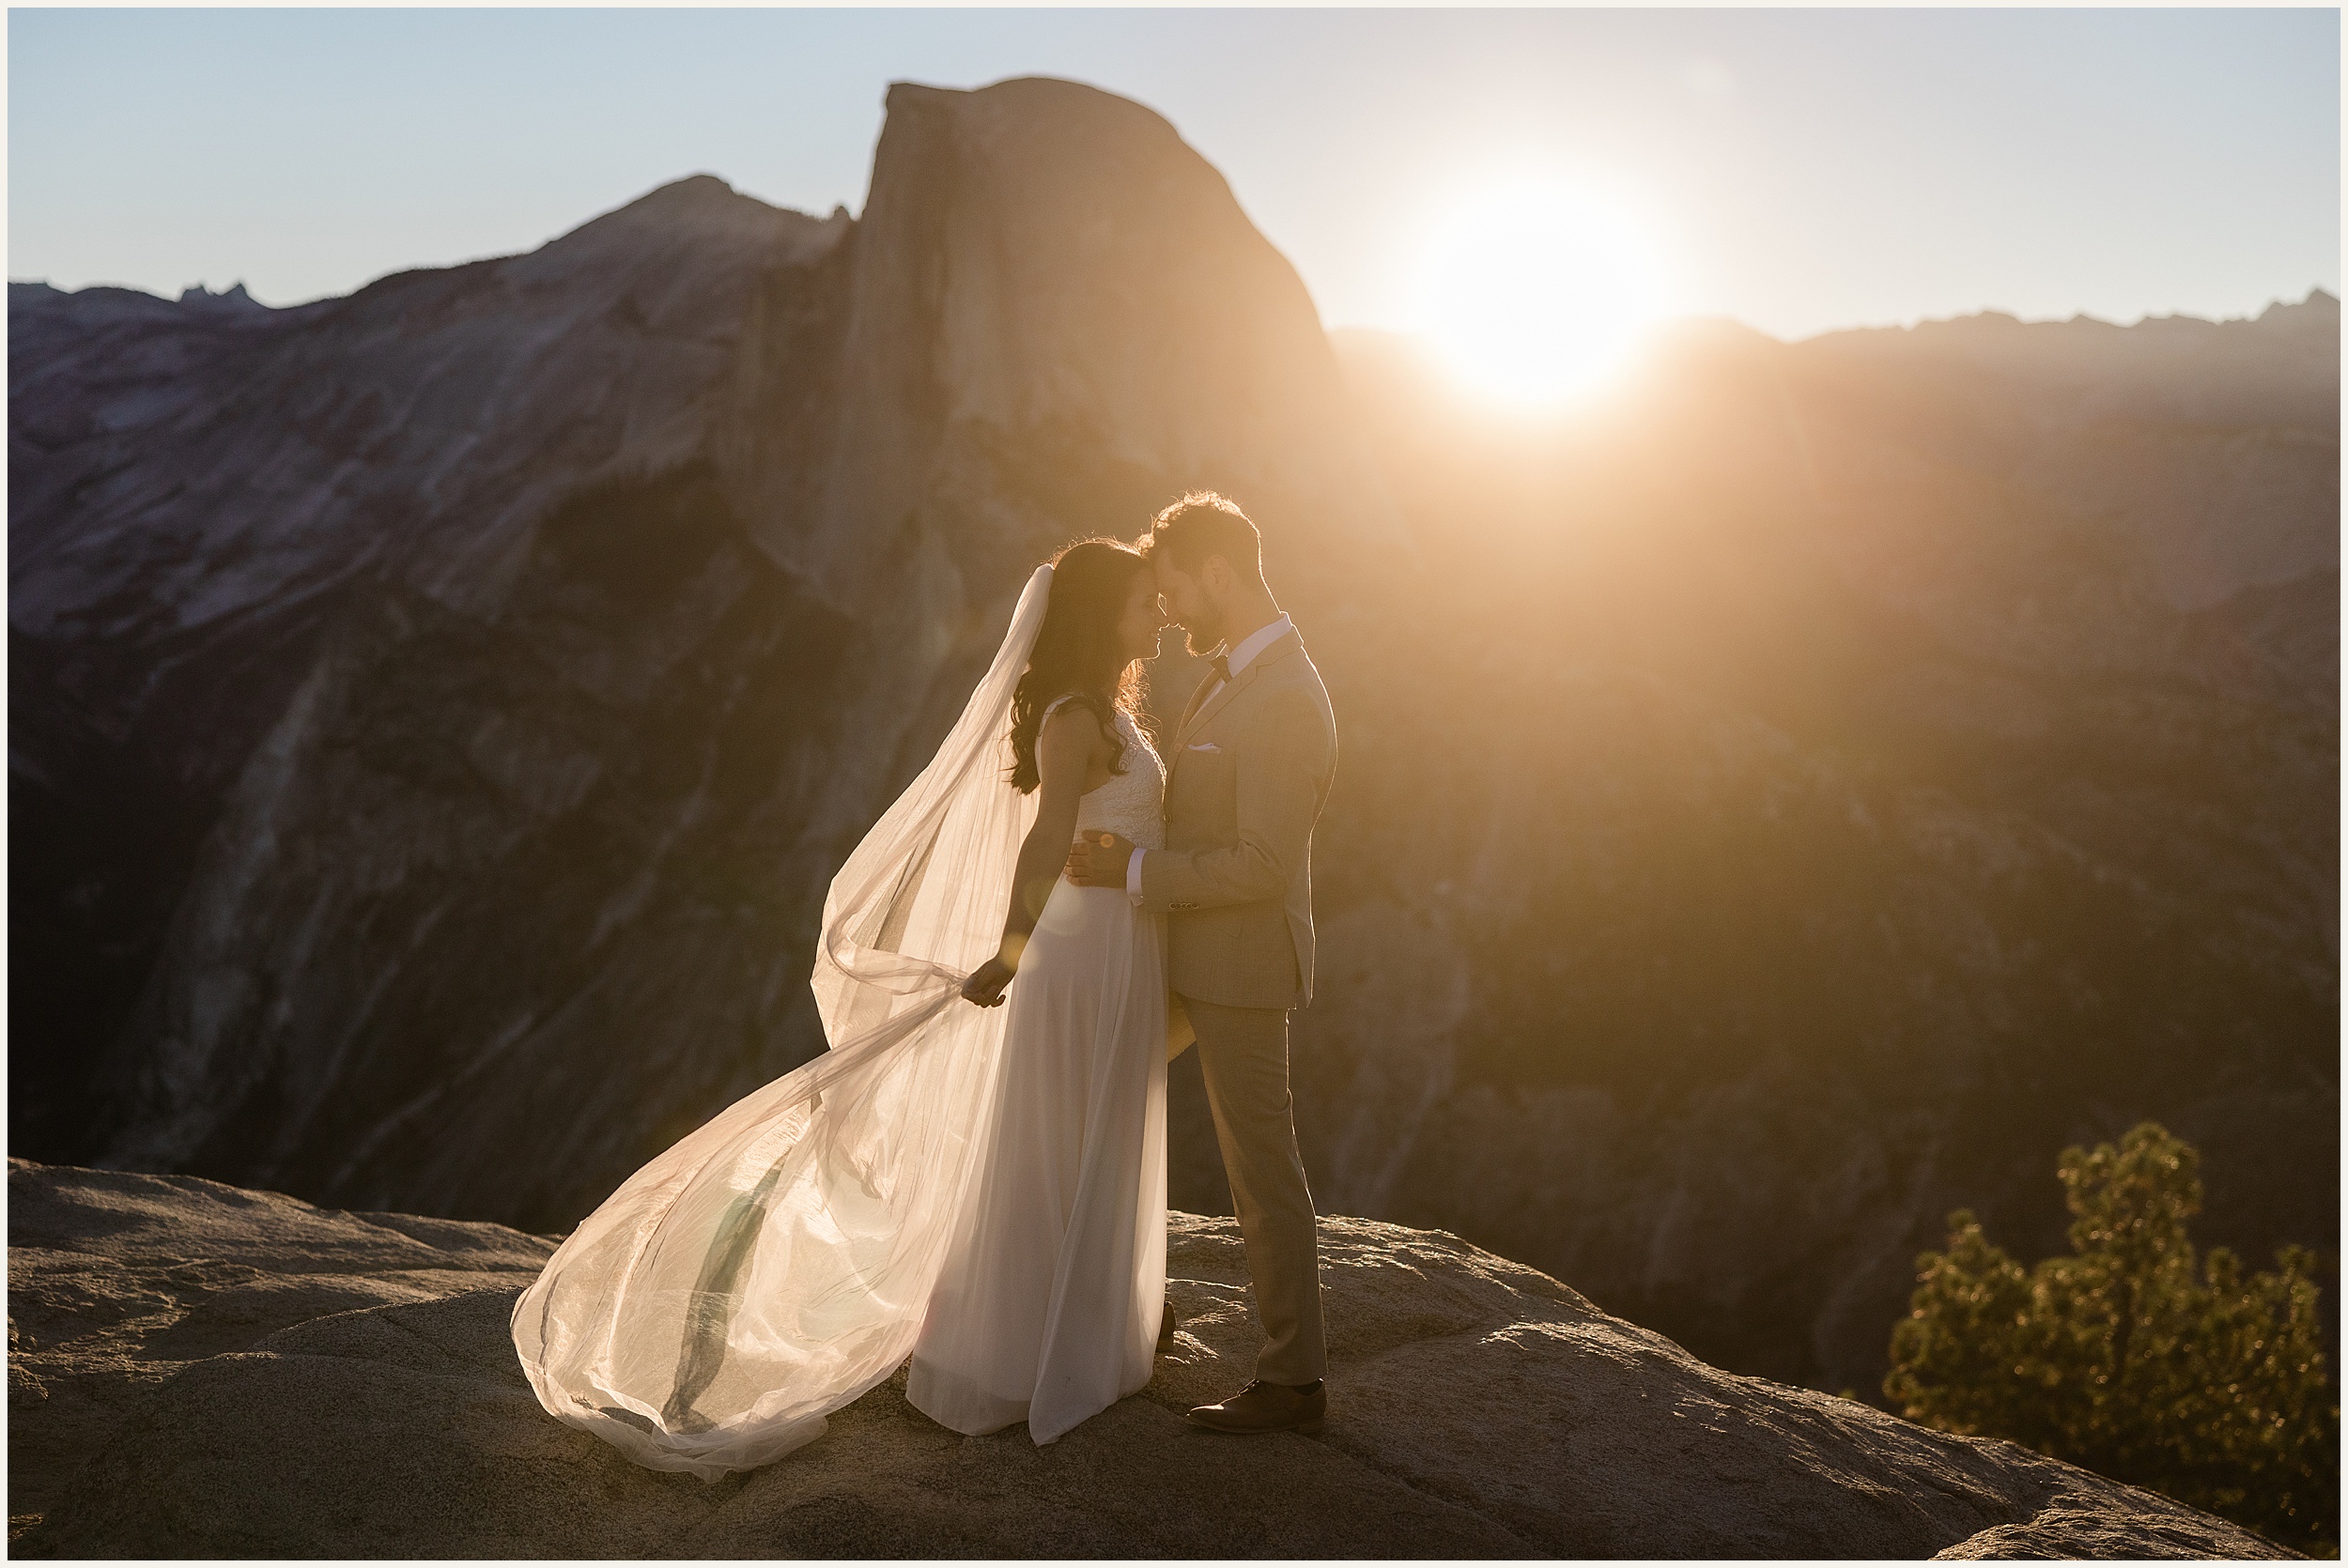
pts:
pixel 1132 804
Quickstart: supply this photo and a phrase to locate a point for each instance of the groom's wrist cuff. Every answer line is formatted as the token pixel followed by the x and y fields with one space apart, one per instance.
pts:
pixel 1133 877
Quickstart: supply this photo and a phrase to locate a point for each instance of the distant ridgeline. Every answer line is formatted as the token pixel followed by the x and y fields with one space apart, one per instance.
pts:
pixel 1776 806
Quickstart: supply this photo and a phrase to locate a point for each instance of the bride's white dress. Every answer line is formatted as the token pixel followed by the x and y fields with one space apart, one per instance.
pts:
pixel 981 1188
pixel 1049 1312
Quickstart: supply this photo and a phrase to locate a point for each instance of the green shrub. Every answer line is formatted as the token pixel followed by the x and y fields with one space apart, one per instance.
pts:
pixel 2128 1358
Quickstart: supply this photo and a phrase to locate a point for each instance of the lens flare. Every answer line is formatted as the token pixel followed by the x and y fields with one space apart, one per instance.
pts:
pixel 1538 291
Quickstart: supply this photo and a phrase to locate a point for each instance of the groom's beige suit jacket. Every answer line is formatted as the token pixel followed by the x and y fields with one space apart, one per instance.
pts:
pixel 1250 772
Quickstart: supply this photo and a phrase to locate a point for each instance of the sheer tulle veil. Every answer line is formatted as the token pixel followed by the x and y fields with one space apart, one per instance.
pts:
pixel 775 1264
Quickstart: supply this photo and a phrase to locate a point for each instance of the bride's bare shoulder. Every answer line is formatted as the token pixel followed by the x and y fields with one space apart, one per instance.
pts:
pixel 1070 728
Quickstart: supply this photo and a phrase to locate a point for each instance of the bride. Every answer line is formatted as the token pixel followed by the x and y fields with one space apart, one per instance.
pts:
pixel 981 1188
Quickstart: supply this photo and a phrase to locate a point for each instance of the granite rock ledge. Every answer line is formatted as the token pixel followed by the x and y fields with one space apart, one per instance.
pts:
pixel 199 1370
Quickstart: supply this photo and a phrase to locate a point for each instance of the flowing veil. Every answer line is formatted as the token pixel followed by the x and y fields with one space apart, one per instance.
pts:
pixel 775 1264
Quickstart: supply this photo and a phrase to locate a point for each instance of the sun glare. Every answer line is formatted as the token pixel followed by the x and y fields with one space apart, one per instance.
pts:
pixel 1538 291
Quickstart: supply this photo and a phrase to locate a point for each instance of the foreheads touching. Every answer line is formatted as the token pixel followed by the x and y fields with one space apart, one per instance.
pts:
pixel 1192 535
pixel 1209 560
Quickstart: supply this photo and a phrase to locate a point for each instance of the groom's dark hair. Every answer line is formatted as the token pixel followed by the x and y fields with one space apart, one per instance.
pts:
pixel 1199 524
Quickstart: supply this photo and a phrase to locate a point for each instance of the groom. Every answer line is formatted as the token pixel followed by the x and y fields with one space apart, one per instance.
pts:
pixel 1246 776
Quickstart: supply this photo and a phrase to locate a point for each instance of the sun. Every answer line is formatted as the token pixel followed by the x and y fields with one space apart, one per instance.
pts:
pixel 1538 291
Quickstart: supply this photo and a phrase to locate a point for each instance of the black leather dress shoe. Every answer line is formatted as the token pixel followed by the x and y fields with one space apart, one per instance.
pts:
pixel 1262 1407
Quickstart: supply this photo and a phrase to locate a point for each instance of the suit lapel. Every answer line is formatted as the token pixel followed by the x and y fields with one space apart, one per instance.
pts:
pixel 1182 725
pixel 1279 649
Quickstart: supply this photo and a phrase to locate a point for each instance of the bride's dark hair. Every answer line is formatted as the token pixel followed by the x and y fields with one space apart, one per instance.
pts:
pixel 1076 651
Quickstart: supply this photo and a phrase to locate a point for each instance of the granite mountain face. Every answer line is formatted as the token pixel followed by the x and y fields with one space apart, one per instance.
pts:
pixel 1774 809
pixel 441 708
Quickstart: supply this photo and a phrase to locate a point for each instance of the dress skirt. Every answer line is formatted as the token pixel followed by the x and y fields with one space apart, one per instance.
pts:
pixel 1046 1310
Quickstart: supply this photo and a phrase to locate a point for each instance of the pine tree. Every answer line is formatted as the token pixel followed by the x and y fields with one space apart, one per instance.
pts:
pixel 2129 1357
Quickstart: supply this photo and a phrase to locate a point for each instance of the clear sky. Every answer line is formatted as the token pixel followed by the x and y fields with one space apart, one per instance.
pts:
pixel 1797 170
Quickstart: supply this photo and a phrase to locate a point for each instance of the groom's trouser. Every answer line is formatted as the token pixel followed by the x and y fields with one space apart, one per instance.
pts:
pixel 1244 1052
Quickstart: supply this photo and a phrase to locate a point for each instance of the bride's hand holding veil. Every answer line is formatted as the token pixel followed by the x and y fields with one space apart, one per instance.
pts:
pixel 1064 753
pixel 986 983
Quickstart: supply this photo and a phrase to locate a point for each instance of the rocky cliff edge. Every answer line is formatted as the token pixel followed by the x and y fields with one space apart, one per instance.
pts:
pixel 198 1369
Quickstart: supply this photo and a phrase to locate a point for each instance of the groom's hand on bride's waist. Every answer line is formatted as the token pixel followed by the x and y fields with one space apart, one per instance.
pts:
pixel 1098 860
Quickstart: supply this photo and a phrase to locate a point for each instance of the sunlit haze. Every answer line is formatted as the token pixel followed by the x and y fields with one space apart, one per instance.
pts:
pixel 1534 290
pixel 1795 170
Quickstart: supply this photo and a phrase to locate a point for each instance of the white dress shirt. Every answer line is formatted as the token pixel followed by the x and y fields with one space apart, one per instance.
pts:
pixel 1240 657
